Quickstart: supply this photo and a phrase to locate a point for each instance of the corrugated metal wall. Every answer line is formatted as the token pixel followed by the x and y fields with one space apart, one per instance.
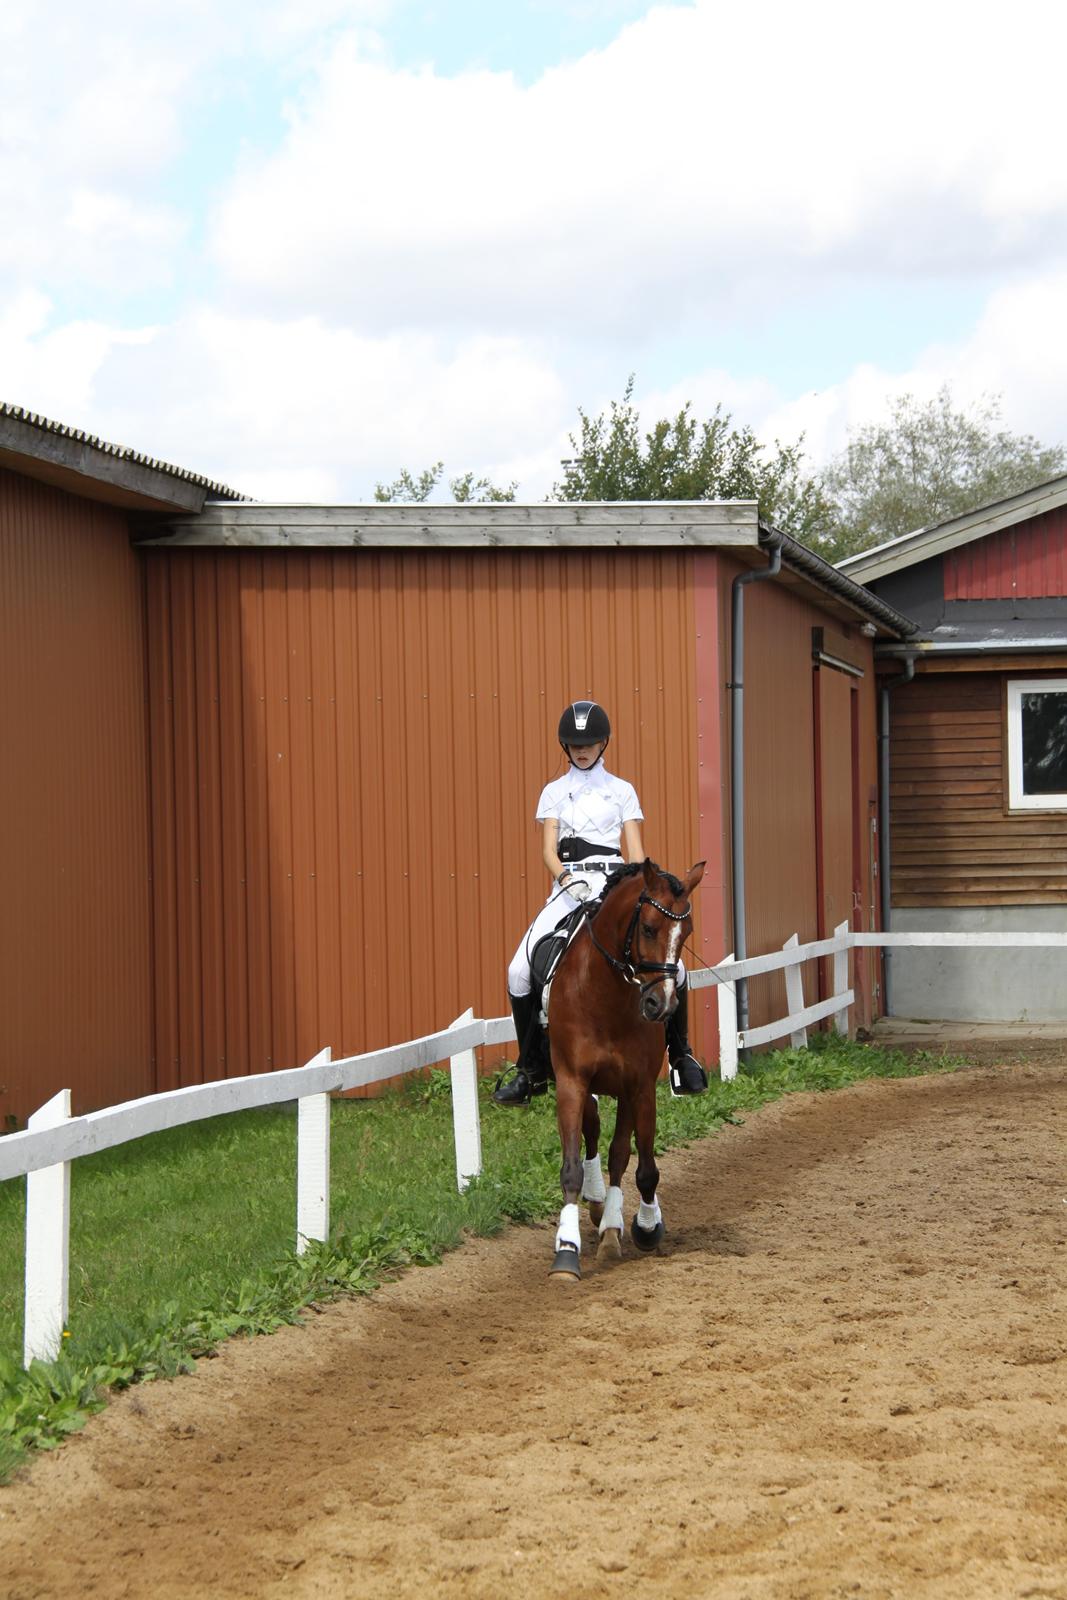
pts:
pixel 76 930
pixel 781 843
pixel 346 751
pixel 1028 561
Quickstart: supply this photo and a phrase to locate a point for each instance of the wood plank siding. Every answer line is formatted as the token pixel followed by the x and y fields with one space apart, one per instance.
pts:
pixel 1024 562
pixel 955 843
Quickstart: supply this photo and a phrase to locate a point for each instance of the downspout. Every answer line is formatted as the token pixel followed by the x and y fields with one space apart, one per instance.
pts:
pixel 885 883
pixel 737 757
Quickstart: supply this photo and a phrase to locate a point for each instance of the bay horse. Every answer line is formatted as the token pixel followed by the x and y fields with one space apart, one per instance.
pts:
pixel 610 996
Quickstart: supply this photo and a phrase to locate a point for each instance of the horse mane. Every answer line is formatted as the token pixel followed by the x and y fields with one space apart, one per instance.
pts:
pixel 632 867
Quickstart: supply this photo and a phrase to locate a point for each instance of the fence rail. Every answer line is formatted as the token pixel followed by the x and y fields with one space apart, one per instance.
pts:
pixel 53 1138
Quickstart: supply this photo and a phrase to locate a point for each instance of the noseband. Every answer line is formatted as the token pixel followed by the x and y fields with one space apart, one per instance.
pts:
pixel 631 970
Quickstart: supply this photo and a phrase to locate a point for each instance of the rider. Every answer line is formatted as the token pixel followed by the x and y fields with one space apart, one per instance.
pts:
pixel 586 815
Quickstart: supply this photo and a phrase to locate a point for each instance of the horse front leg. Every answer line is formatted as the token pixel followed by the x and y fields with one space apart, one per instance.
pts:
pixel 593 1190
pixel 570 1101
pixel 646 1230
pixel 611 1223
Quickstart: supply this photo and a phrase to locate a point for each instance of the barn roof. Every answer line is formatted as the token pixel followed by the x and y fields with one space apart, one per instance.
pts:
pixel 79 462
pixel 940 537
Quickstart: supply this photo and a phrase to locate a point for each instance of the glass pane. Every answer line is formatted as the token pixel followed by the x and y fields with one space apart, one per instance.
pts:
pixel 1045 743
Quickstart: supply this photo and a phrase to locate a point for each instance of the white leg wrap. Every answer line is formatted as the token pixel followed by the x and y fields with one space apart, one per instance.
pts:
pixel 649 1217
pixel 593 1181
pixel 568 1231
pixel 612 1217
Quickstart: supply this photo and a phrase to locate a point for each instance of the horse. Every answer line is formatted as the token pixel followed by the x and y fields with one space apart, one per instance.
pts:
pixel 610 996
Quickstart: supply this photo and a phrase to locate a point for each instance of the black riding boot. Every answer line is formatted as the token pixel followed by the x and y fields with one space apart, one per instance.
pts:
pixel 685 1074
pixel 532 1068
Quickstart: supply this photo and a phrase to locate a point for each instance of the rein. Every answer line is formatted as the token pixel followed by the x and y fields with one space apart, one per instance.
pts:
pixel 630 968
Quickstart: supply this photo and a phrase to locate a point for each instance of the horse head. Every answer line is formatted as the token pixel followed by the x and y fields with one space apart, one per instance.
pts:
pixel 658 923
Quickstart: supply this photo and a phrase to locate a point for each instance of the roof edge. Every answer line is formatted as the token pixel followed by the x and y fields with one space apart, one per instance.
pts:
pixel 924 543
pixel 808 564
pixel 71 459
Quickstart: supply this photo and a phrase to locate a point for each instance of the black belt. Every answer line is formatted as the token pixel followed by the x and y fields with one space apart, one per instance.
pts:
pixel 578 867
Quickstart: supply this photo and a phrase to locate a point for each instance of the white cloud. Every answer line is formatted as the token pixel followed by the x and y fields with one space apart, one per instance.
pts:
pixel 288 410
pixel 1014 351
pixel 99 105
pixel 710 157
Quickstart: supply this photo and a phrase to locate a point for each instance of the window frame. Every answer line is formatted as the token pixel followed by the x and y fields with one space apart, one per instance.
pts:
pixel 1017 799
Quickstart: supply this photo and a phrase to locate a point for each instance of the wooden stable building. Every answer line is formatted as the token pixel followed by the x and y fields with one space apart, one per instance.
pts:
pixel 977 744
pixel 272 769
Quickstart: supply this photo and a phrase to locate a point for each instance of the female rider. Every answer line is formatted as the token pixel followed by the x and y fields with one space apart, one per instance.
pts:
pixel 586 816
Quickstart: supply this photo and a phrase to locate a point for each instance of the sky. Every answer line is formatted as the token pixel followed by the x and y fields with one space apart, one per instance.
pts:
pixel 299 245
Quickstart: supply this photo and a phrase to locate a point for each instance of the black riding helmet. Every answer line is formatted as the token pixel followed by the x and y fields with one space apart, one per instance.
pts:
pixel 584 722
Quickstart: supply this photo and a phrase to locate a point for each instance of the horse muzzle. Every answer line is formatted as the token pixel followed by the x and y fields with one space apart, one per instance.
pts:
pixel 657 1003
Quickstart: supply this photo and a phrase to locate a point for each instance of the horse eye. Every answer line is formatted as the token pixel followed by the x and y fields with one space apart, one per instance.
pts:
pixel 648 931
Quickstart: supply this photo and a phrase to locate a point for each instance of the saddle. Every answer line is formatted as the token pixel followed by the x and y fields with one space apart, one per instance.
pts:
pixel 547 954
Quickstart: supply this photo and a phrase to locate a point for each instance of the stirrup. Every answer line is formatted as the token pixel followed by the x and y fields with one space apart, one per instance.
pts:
pixel 686 1076
pixel 518 1090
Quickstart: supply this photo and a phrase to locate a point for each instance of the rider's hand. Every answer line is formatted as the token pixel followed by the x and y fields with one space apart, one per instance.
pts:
pixel 578 890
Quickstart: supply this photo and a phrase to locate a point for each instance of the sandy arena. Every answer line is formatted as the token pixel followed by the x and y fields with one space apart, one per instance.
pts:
pixel 846 1378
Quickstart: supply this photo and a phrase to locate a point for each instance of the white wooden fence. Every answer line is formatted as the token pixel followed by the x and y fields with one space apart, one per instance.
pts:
pixel 53 1138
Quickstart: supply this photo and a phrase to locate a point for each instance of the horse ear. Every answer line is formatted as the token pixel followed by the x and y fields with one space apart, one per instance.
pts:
pixel 649 872
pixel 694 876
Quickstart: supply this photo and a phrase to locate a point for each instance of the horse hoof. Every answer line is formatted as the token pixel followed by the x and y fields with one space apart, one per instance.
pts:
pixel 567 1264
pixel 610 1246
pixel 646 1239
pixel 596 1211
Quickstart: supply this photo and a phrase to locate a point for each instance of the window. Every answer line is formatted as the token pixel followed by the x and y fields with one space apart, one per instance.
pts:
pixel 1037 744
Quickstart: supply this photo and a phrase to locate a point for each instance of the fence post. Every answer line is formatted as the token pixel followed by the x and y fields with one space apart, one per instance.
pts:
pixel 841 979
pixel 313 1164
pixel 466 1120
pixel 794 995
pixel 47 1245
pixel 727 1027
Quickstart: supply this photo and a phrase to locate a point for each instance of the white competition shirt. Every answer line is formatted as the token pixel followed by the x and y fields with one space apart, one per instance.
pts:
pixel 590 805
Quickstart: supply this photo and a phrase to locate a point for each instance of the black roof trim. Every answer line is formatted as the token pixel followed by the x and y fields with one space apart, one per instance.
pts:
pixel 800 559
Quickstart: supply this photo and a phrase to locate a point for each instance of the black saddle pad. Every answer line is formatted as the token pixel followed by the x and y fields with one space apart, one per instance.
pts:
pixel 547 951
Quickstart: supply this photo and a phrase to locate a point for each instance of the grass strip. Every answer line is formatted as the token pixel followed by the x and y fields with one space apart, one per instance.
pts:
pixel 185 1238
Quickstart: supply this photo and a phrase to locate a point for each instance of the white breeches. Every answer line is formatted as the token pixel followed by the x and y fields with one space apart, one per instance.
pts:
pixel 558 905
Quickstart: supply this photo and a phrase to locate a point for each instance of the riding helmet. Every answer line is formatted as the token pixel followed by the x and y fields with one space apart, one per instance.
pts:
pixel 584 722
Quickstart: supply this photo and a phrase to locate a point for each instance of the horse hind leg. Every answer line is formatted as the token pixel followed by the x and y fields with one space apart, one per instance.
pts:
pixel 593 1190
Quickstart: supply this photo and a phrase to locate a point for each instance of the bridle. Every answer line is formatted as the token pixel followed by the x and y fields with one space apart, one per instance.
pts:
pixel 629 968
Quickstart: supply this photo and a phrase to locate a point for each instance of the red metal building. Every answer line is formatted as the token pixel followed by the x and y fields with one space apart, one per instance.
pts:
pixel 290 802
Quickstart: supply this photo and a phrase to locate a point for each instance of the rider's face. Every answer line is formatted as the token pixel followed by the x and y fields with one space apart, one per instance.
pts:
pixel 586 755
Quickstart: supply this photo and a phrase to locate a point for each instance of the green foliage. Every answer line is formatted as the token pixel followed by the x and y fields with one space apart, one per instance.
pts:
pixel 184 1239
pixel 928 463
pixel 680 458
pixel 466 489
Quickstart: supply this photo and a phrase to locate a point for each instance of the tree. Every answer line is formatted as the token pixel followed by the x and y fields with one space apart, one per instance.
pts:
pixel 930 462
pixel 464 489
pixel 683 459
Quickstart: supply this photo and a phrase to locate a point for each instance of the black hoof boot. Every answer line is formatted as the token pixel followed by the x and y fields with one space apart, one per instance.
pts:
pixel 567 1263
pixel 646 1239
